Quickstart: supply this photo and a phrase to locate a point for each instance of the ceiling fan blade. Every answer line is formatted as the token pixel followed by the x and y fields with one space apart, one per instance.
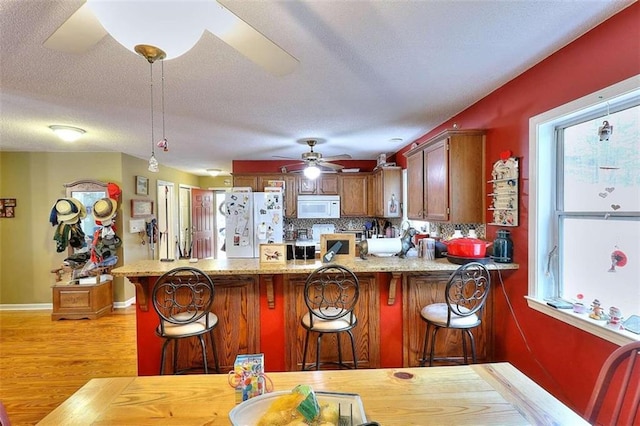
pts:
pixel 254 45
pixel 336 157
pixel 330 165
pixel 78 33
pixel 285 158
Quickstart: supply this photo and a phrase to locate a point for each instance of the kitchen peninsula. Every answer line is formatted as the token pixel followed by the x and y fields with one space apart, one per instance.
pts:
pixel 259 308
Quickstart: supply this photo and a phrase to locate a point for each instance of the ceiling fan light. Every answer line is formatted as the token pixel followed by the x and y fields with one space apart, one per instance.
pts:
pixel 214 172
pixel 166 24
pixel 68 133
pixel 312 172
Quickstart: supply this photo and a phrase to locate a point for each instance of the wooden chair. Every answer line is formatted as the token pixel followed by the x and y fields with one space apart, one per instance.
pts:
pixel 182 298
pixel 330 293
pixel 623 367
pixel 465 295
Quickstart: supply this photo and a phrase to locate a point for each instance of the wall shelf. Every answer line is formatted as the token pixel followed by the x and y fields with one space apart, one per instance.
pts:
pixel 504 195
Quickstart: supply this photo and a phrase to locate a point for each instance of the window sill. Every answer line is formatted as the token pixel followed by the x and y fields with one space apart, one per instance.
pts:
pixel 583 322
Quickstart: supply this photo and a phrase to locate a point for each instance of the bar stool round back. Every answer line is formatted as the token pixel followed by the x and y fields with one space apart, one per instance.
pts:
pixel 465 295
pixel 330 293
pixel 182 298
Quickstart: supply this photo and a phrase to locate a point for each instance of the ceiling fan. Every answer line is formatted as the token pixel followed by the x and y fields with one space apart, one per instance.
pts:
pixel 174 26
pixel 314 162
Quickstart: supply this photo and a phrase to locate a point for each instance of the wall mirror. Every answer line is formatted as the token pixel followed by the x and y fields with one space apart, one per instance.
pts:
pixel 87 192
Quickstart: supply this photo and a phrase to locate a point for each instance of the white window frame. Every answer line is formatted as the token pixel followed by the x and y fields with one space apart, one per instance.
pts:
pixel 541 195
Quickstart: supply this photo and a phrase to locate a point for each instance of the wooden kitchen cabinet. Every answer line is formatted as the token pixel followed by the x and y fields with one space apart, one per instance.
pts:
pixel 354 195
pixel 326 184
pixel 258 181
pixel 246 181
pixel 445 178
pixel 290 190
pixel 236 303
pixel 387 192
pixel 366 333
pixel 421 289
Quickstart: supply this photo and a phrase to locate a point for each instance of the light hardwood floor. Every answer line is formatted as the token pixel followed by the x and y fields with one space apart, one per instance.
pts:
pixel 43 362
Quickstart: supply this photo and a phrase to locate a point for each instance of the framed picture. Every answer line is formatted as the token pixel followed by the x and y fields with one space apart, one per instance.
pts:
pixel 141 208
pixel 275 254
pixel 142 185
pixel 347 248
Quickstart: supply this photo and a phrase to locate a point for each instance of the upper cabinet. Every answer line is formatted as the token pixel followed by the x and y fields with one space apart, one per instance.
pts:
pixel 386 192
pixel 246 181
pixel 258 181
pixel 445 178
pixel 326 184
pixel 354 195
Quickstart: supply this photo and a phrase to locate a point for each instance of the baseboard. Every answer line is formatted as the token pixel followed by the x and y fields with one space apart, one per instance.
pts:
pixel 26 307
pixel 49 306
pixel 125 304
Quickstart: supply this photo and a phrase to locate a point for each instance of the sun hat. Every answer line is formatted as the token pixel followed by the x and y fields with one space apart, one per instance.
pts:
pixel 69 210
pixel 104 209
pixel 81 208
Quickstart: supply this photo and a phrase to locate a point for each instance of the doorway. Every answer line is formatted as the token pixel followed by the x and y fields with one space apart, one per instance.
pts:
pixel 167 236
pixel 202 223
pixel 220 222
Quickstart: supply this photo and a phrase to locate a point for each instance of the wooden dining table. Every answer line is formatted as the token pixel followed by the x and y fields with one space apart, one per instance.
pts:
pixel 479 394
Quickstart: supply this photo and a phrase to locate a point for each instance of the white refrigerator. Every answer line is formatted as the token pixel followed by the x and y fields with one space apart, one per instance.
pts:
pixel 252 218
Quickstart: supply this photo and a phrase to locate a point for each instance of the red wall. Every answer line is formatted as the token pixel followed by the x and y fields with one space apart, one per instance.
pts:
pixel 565 360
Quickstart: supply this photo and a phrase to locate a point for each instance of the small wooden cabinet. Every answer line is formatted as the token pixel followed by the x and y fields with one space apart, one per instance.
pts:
pixel 75 301
pixel 387 192
pixel 354 195
pixel 445 178
pixel 326 184
pixel 246 181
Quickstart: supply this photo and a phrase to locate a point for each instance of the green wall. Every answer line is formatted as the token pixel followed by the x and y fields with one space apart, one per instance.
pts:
pixel 35 180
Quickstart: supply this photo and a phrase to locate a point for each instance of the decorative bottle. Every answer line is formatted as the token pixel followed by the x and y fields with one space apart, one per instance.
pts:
pixel 503 247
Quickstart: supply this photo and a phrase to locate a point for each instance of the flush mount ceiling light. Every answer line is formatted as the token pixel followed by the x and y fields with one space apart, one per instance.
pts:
pixel 312 171
pixel 176 25
pixel 214 172
pixel 68 133
pixel 166 23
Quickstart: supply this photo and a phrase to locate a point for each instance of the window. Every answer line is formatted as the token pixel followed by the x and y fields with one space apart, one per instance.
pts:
pixel 585 207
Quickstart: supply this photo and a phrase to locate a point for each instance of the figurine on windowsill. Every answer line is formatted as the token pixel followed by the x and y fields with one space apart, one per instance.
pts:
pixel 597 312
pixel 615 319
pixel 578 307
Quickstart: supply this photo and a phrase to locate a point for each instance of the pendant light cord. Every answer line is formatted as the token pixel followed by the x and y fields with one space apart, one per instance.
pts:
pixel 163 137
pixel 151 84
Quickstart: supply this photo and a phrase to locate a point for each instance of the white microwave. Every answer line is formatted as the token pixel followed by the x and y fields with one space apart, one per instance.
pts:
pixel 318 206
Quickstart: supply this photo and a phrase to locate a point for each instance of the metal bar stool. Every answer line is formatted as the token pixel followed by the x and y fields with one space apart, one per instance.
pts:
pixel 182 298
pixel 330 293
pixel 465 295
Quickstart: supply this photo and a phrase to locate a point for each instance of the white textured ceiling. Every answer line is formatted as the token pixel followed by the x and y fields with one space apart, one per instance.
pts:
pixel 369 72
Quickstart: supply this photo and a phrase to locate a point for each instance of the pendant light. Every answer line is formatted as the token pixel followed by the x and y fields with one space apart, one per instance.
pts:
pixel 152 54
pixel 163 143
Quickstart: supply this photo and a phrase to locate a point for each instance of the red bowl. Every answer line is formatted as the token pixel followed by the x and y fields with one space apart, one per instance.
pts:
pixel 467 247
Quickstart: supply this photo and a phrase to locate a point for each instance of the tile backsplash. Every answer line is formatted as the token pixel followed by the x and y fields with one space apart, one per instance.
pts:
pixel 442 230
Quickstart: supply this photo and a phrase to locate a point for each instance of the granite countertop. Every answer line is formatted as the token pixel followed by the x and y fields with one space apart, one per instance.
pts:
pixel 252 266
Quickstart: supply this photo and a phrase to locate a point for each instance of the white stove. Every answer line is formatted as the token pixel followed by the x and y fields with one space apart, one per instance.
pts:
pixel 319 229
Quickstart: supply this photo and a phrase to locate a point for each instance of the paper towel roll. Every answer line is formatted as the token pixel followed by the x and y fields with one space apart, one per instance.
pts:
pixel 384 246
